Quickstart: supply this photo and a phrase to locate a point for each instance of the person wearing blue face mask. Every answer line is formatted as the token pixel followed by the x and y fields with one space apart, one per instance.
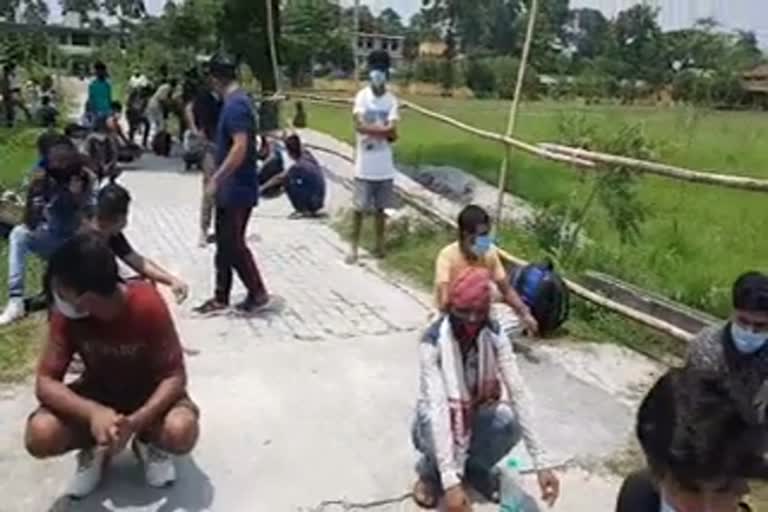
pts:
pixel 375 116
pixel 699 451
pixel 738 349
pixel 475 248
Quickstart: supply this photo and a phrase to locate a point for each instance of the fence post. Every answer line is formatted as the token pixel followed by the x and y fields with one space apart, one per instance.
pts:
pixel 515 107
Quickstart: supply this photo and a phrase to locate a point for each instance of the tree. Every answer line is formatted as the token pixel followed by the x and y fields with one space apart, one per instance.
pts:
pixel 243 30
pixel 639 45
pixel 588 33
pixel 120 8
pixel 311 34
pixel 29 11
pixel 390 22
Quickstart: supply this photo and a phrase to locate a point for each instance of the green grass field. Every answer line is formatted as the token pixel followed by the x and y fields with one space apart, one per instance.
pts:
pixel 19 343
pixel 697 238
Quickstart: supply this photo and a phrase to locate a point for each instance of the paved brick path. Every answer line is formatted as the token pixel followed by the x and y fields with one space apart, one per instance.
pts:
pixel 310 404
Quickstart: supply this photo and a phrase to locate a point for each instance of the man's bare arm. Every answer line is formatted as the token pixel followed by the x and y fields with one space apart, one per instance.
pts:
pixel 149 269
pixel 235 157
pixel 167 393
pixel 372 130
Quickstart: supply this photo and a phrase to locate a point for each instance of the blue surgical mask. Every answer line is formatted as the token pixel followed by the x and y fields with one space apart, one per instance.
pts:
pixel 482 245
pixel 747 341
pixel 378 78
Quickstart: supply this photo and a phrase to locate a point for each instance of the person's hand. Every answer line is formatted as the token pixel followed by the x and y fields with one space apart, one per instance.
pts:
pixel 120 433
pixel 76 185
pixel 211 186
pixel 456 500
pixel 392 137
pixel 531 325
pixel 550 487
pixel 103 422
pixel 180 290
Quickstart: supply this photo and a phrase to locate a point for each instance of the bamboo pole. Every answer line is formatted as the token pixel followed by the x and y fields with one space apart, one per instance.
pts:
pixel 355 42
pixel 667 171
pixel 514 108
pixel 579 290
pixel 272 45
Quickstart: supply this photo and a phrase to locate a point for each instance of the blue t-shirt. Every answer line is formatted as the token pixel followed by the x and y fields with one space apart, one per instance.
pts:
pixel 100 97
pixel 241 188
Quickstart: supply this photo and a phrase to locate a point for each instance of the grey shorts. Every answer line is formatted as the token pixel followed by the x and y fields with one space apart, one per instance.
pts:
pixel 373 195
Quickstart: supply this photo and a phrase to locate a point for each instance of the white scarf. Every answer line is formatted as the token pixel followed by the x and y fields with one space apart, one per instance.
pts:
pixel 461 404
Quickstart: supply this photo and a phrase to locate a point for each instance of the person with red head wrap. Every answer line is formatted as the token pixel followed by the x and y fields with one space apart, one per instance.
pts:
pixel 463 428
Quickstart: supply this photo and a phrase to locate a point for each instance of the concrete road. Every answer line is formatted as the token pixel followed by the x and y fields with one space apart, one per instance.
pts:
pixel 306 409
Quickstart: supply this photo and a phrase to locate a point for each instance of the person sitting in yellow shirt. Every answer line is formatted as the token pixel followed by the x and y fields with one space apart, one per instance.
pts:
pixel 475 248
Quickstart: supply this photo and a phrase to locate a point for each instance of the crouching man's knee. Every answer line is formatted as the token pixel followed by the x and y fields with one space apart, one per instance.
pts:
pixel 180 430
pixel 46 436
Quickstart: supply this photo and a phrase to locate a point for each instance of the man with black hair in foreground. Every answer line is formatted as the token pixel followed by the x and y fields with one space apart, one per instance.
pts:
pixel 737 351
pixel 112 211
pixel 134 384
pixel 235 186
pixel 699 450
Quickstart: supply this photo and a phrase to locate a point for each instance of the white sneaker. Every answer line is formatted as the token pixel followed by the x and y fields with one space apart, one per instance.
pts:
pixel 159 469
pixel 14 311
pixel 90 467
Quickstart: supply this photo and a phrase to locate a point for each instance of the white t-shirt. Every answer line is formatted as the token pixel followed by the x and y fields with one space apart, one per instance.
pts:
pixel 373 158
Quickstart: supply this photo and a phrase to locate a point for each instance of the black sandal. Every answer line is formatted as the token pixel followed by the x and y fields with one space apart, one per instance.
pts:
pixel 210 306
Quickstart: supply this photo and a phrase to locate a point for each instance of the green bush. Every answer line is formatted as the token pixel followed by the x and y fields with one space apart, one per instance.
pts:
pixel 480 78
pixel 506 69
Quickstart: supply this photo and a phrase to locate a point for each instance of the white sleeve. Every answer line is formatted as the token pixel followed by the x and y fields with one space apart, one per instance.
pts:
pixel 433 390
pixel 520 399
pixel 394 111
pixel 359 107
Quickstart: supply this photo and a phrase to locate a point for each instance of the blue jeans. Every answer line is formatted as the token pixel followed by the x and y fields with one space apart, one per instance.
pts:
pixel 495 431
pixel 23 241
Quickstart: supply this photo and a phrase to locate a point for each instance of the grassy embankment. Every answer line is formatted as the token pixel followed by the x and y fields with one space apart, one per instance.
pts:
pixel 19 343
pixel 696 240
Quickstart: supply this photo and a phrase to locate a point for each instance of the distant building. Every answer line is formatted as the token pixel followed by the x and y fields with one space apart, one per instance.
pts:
pixel 755 84
pixel 73 44
pixel 367 43
pixel 432 49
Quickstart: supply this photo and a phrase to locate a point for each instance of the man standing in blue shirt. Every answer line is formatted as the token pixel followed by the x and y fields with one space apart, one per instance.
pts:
pixel 235 186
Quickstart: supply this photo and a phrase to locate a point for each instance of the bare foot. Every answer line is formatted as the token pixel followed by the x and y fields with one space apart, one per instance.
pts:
pixel 425 494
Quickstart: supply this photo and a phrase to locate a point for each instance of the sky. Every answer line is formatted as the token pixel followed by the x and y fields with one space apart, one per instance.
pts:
pixel 732 14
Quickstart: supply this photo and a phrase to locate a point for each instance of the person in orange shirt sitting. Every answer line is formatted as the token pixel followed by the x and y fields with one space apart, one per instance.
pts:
pixel 475 248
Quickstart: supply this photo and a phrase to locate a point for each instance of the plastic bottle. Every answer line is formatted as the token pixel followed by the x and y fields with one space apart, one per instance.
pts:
pixel 512 494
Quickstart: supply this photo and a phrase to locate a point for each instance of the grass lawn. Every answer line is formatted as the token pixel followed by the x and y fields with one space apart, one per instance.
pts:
pixel 697 238
pixel 19 343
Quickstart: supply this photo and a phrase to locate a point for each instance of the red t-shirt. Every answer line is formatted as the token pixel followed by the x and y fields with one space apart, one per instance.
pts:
pixel 125 358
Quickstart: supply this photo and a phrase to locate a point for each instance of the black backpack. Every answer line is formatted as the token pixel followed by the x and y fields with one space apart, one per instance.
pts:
pixel 545 293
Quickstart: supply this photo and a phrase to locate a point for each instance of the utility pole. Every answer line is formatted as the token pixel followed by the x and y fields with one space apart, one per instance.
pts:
pixel 355 40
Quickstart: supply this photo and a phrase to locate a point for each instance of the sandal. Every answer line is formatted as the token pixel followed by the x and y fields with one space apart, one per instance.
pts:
pixel 425 494
pixel 210 306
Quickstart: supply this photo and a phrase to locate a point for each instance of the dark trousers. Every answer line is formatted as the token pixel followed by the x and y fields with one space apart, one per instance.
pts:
pixel 137 123
pixel 232 254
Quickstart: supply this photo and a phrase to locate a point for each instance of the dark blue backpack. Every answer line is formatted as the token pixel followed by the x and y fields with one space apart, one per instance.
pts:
pixel 545 293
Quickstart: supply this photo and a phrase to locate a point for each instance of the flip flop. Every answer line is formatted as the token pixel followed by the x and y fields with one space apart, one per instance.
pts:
pixel 210 307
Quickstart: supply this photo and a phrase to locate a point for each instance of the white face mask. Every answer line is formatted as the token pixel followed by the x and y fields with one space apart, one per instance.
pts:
pixel 67 309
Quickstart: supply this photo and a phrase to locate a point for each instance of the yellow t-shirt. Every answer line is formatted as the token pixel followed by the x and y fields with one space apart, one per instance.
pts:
pixel 451 262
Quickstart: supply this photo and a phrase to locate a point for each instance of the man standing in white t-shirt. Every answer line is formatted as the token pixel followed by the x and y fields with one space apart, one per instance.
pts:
pixel 376 116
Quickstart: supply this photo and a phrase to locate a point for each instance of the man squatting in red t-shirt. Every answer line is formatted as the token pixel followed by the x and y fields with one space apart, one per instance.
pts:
pixel 134 383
